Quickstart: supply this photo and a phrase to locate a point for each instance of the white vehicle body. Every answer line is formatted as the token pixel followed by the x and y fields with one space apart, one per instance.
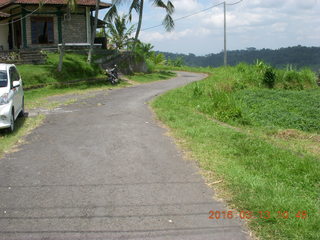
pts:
pixel 11 96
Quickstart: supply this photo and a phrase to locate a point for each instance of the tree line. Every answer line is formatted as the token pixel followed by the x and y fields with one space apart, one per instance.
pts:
pixel 297 57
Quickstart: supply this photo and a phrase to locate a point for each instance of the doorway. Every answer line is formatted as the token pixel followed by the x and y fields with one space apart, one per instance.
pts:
pixel 17 34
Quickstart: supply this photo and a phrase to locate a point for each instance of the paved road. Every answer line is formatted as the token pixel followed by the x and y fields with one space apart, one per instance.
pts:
pixel 103 169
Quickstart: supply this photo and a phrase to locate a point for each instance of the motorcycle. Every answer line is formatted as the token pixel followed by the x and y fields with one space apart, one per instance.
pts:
pixel 112 75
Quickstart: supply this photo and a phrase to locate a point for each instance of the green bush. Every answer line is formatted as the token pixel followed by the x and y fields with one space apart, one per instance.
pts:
pixel 151 66
pixel 75 67
pixel 262 75
pixel 269 78
pixel 292 80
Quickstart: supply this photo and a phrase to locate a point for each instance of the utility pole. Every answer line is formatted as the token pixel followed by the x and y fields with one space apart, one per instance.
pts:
pixel 225 34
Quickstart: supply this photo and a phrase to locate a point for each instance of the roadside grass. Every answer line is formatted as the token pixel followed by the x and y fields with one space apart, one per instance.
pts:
pixel 151 77
pixel 75 67
pixel 23 126
pixel 281 109
pixel 264 163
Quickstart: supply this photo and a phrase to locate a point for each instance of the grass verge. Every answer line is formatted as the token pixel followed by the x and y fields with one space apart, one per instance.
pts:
pixel 75 67
pixel 151 77
pixel 23 126
pixel 258 175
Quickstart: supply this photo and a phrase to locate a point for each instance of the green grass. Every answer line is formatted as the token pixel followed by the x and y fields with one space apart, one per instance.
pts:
pixel 151 77
pixel 75 67
pixel 22 127
pixel 281 109
pixel 259 171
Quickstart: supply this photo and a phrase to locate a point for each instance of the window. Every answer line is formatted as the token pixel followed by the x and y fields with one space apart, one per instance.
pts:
pixel 42 30
pixel 14 76
pixel 3 79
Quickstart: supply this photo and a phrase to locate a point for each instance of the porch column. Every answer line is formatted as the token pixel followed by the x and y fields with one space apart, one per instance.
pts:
pixel 88 23
pixel 59 15
pixel 24 28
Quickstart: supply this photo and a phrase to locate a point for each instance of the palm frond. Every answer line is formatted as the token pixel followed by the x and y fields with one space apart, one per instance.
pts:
pixel 170 8
pixel 159 3
pixel 135 5
pixel 111 14
pixel 168 23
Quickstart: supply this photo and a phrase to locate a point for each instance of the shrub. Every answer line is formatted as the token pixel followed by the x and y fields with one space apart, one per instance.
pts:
pixel 269 78
pixel 197 90
pixel 157 59
pixel 292 81
pixel 308 77
pixel 150 66
pixel 177 62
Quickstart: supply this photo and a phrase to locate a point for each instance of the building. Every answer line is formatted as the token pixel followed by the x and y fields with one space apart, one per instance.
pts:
pixel 28 24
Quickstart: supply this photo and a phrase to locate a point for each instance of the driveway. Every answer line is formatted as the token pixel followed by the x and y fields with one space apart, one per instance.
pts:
pixel 102 168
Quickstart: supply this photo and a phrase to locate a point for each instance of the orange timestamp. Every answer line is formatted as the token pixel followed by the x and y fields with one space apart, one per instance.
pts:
pixel 257 214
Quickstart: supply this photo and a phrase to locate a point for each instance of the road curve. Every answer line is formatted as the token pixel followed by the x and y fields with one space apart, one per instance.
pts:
pixel 102 168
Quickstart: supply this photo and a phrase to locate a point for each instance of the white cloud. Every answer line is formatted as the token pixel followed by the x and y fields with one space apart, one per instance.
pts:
pixel 174 35
pixel 184 6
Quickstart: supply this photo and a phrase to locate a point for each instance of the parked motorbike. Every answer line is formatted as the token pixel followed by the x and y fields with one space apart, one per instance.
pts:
pixel 112 75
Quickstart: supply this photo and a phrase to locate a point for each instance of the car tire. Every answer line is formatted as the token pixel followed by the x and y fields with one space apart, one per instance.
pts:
pixel 11 128
pixel 21 114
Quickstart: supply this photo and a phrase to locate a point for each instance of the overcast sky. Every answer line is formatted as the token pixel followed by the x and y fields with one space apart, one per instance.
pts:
pixel 251 23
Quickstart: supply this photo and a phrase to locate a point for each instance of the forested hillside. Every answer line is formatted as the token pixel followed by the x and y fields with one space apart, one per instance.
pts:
pixel 297 56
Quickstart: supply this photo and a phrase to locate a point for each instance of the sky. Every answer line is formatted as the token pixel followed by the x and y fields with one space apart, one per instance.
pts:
pixel 251 23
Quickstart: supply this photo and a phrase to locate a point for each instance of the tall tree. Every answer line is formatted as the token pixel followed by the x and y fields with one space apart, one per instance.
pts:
pixel 167 22
pixel 138 6
pixel 93 33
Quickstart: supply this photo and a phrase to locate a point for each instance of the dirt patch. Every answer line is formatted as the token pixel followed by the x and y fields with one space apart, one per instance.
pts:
pixel 296 134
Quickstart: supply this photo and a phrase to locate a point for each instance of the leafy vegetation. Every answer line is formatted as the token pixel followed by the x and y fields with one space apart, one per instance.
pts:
pixel 76 67
pixel 118 32
pixel 281 109
pixel 259 151
pixel 138 7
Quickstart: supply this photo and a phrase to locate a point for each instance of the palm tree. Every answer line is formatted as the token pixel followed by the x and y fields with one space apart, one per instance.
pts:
pixel 119 32
pixel 93 34
pixel 71 7
pixel 138 5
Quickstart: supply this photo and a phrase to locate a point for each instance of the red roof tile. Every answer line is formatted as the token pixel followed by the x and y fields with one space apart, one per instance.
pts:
pixel 53 2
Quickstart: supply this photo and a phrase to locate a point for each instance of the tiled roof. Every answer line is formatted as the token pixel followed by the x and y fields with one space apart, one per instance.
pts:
pixel 4 3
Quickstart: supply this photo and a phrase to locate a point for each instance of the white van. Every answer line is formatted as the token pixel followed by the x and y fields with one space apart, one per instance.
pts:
pixel 11 96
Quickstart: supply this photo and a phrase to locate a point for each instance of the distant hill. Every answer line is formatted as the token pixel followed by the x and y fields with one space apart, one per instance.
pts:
pixel 297 56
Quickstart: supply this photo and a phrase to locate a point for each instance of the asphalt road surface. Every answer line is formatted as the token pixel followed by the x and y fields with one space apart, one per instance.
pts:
pixel 102 168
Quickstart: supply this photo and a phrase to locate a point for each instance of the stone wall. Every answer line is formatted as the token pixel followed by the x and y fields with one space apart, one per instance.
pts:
pixel 75 29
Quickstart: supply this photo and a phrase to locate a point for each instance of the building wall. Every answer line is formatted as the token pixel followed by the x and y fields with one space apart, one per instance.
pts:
pixel 4 31
pixel 75 29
